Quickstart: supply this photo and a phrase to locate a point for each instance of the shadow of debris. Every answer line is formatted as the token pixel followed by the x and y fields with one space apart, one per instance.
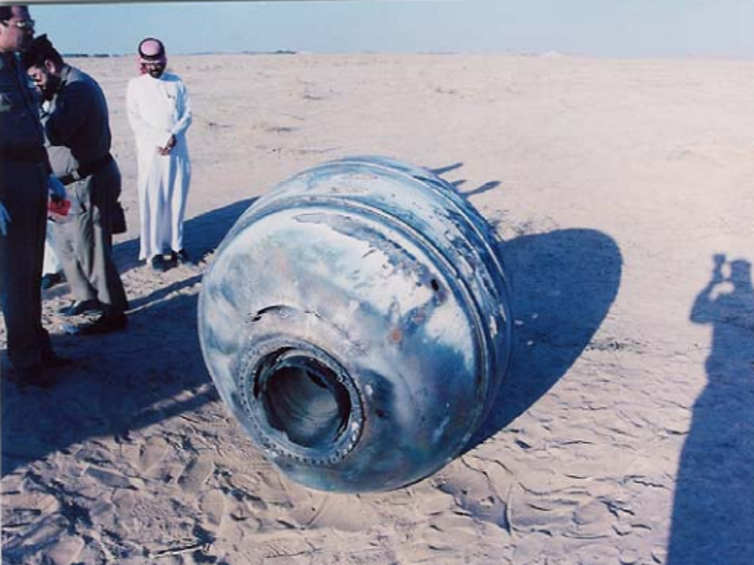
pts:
pixel 562 284
pixel 123 381
pixel 481 189
pixel 439 171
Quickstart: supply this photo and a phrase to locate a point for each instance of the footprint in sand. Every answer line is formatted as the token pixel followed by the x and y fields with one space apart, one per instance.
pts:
pixel 195 475
pixel 212 508
pixel 151 453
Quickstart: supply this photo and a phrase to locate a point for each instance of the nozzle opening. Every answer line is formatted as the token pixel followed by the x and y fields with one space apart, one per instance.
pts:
pixel 303 399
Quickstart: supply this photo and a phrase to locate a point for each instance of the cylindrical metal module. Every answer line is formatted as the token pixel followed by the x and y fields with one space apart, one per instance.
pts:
pixel 355 320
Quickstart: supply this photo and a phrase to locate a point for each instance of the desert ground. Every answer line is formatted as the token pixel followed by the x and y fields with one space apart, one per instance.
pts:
pixel 624 430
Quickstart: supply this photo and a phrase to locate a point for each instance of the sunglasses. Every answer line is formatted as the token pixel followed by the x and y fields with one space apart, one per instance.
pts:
pixel 22 25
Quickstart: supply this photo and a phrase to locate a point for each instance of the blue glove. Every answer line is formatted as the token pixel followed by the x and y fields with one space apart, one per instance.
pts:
pixel 56 188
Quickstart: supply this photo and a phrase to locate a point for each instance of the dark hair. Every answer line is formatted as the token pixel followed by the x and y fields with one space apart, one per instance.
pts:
pixel 41 50
pixel 6 12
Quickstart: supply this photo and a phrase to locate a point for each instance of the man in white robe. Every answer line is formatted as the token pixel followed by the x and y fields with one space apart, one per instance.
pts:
pixel 160 113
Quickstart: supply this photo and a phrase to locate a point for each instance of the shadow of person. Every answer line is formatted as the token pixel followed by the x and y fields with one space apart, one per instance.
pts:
pixel 121 382
pixel 562 284
pixel 202 234
pixel 124 381
pixel 713 508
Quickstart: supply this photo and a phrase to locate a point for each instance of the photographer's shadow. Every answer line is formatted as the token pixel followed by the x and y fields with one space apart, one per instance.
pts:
pixel 562 284
pixel 713 508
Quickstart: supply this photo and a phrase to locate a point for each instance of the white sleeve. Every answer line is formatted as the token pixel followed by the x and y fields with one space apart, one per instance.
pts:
pixel 184 107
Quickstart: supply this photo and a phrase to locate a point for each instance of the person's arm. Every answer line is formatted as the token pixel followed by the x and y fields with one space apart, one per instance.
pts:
pixel 184 121
pixel 703 310
pixel 72 108
pixel 184 105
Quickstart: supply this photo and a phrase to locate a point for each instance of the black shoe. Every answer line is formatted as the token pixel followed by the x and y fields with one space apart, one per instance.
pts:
pixel 52 279
pixel 81 307
pixel 106 323
pixel 181 257
pixel 158 263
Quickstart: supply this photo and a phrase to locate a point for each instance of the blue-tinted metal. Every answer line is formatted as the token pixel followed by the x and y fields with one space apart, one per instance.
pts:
pixel 356 322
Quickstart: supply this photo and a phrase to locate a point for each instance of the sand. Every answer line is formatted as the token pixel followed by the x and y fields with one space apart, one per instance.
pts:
pixel 624 432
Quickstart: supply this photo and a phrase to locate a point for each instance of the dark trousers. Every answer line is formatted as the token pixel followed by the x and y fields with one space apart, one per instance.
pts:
pixel 23 192
pixel 85 241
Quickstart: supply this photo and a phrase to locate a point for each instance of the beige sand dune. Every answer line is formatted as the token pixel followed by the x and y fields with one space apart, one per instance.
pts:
pixel 624 433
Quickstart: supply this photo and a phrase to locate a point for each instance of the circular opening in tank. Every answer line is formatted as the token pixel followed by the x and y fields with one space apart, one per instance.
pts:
pixel 303 399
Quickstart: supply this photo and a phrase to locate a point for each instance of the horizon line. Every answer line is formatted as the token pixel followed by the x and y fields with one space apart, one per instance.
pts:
pixel 544 55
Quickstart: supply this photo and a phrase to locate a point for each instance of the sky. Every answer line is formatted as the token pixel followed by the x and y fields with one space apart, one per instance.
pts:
pixel 594 28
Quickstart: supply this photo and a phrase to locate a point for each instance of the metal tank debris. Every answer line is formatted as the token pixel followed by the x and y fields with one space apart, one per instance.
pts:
pixel 355 320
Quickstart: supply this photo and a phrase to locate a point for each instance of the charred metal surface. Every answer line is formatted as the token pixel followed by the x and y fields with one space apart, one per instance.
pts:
pixel 356 322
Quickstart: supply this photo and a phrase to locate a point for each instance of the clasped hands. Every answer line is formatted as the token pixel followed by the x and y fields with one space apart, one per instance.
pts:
pixel 168 148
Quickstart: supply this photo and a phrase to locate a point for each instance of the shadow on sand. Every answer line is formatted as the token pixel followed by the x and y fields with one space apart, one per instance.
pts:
pixel 713 509
pixel 123 381
pixel 203 234
pixel 562 285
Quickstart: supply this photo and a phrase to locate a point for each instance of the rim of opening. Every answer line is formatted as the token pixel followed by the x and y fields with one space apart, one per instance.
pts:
pixel 303 404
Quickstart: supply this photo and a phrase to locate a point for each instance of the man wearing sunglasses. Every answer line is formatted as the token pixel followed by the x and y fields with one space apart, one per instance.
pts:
pixel 24 183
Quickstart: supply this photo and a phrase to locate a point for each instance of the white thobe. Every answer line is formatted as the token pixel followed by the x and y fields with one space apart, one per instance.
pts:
pixel 158 108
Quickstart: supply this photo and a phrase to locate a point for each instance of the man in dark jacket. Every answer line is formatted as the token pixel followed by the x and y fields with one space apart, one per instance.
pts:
pixel 24 184
pixel 77 127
